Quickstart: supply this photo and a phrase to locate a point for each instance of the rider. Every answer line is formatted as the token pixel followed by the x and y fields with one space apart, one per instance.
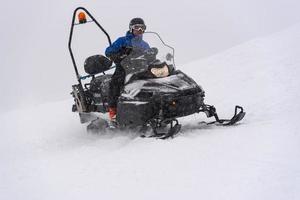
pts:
pixel 116 52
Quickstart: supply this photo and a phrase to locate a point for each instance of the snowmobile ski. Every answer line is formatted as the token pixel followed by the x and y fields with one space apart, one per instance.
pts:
pixel 211 112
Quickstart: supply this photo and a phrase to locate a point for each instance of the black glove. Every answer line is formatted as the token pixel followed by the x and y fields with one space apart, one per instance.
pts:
pixel 118 57
pixel 151 53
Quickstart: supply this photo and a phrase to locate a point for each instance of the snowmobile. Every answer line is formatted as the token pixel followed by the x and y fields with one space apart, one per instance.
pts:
pixel 154 96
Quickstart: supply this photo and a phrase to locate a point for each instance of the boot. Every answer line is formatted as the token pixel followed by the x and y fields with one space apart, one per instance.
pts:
pixel 112 111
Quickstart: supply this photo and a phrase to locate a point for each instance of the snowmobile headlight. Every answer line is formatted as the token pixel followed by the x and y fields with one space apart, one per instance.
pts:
pixel 160 72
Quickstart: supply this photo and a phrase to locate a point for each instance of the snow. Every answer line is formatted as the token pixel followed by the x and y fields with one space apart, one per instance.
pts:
pixel 45 153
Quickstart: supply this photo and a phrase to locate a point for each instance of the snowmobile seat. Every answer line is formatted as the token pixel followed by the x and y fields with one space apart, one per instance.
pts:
pixel 97 64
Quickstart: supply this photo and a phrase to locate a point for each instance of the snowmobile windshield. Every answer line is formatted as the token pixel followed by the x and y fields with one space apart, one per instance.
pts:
pixel 148 57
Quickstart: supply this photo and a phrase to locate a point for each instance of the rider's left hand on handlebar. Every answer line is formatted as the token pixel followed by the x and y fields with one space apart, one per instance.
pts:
pixel 152 51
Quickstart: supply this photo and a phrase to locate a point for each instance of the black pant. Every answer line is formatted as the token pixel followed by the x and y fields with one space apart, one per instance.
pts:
pixel 116 85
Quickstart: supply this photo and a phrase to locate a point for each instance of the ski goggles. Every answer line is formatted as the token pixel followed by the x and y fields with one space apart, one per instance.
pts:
pixel 138 27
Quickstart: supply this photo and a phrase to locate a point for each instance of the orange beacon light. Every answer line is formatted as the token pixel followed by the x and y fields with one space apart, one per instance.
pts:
pixel 82 17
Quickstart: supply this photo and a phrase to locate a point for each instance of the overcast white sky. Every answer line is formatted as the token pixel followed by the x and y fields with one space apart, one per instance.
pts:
pixel 35 62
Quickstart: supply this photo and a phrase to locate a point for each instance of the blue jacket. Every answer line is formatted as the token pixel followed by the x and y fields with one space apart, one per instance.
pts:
pixel 127 41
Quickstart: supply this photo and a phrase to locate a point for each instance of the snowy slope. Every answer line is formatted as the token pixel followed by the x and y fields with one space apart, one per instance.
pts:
pixel 45 152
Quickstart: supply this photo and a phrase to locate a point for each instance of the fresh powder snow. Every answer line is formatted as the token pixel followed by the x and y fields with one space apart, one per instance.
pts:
pixel 45 153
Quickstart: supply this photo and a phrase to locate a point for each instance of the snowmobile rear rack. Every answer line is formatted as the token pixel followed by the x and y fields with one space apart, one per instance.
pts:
pixel 71 36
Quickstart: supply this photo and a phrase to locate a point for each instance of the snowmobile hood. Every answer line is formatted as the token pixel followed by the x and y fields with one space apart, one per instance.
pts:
pixel 177 83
